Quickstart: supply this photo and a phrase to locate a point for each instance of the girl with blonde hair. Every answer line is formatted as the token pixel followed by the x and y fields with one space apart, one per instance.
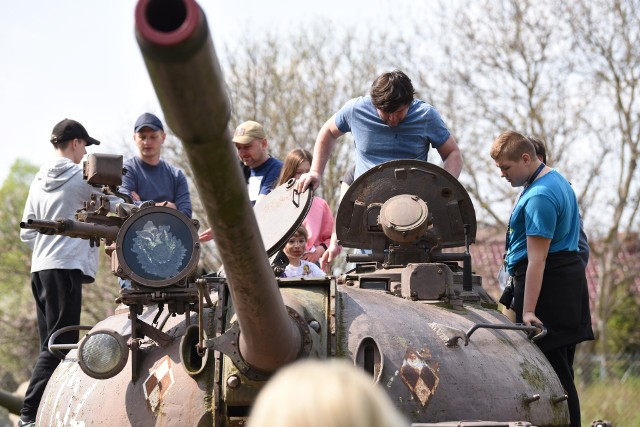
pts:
pixel 324 393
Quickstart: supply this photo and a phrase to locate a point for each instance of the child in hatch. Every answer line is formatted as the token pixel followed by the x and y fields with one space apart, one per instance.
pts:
pixel 294 249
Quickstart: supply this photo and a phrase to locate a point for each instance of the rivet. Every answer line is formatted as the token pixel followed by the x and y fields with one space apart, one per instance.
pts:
pixel 233 381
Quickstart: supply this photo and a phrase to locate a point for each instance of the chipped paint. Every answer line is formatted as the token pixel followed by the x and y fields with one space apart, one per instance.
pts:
pixel 390 382
pixel 419 377
pixel 158 383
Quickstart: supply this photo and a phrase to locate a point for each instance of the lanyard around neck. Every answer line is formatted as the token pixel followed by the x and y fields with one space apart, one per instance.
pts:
pixel 529 182
pixel 535 174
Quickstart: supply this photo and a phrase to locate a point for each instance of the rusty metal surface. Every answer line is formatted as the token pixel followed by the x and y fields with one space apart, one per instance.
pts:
pixel 160 397
pixel 489 379
pixel 310 298
pixel 448 203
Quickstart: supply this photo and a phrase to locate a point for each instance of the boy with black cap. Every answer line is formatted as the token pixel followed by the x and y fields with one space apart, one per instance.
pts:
pixel 149 177
pixel 59 264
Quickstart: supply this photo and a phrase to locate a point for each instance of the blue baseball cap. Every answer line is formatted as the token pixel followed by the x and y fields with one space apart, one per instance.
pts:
pixel 148 120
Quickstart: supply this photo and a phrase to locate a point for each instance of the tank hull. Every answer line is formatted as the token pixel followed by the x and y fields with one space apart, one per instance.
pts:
pixel 489 379
pixel 163 395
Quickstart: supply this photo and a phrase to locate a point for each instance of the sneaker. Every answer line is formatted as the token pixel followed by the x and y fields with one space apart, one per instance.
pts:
pixel 22 423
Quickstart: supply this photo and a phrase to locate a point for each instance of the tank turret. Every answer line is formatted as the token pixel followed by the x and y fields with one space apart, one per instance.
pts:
pixel 187 349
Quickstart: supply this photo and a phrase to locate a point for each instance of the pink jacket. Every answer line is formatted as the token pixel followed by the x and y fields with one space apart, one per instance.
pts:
pixel 319 224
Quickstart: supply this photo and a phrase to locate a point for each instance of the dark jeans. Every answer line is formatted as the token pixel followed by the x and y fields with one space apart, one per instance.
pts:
pixel 58 295
pixel 561 360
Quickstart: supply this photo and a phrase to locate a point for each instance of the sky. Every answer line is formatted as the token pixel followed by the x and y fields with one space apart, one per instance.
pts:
pixel 79 59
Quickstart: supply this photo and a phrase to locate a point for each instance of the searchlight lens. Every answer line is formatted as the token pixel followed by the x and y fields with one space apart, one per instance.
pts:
pixel 103 354
pixel 158 247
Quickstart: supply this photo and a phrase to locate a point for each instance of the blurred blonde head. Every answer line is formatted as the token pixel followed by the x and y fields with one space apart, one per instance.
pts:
pixel 330 393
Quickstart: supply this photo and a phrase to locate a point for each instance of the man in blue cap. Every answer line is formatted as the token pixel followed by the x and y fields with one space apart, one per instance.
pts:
pixel 149 177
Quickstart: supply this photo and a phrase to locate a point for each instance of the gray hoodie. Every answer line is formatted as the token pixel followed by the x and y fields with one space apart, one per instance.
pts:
pixel 58 191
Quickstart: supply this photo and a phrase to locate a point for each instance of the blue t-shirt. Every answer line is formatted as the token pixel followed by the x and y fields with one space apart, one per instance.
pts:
pixel 547 208
pixel 376 142
pixel 263 178
pixel 162 182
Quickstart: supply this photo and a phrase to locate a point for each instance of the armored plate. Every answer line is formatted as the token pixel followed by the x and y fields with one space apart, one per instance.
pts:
pixel 280 213
pixel 449 204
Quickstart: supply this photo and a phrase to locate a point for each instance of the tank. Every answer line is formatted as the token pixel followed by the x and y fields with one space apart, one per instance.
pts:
pixel 189 349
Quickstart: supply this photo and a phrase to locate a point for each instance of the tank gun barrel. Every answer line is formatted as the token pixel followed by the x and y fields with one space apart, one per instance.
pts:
pixel 174 39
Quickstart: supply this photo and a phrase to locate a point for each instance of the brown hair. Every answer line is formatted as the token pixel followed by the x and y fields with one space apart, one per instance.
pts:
pixel 511 145
pixel 541 149
pixel 391 91
pixel 301 231
pixel 291 163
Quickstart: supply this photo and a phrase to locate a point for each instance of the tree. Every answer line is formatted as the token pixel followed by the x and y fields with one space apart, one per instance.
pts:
pixel 19 339
pixel 607 35
pixel 18 329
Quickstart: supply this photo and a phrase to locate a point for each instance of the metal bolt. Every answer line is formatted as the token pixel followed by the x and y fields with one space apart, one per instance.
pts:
pixel 559 399
pixel 315 325
pixel 532 399
pixel 233 381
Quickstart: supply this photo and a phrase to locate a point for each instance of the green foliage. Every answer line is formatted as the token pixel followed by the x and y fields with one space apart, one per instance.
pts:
pixel 622 324
pixel 613 401
pixel 19 341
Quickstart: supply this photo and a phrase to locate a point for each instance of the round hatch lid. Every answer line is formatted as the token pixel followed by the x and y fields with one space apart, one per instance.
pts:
pixel 280 213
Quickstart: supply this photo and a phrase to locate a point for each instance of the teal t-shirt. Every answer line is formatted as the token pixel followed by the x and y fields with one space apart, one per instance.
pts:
pixel 547 208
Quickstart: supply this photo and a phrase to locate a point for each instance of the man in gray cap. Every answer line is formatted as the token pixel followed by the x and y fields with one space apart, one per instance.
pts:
pixel 264 170
pixel 149 177
pixel 59 264
pixel 253 150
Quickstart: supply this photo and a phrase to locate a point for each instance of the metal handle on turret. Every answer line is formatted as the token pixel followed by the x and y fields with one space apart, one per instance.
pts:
pixel 534 331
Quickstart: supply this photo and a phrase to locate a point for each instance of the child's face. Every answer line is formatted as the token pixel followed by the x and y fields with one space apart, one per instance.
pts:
pixel 295 247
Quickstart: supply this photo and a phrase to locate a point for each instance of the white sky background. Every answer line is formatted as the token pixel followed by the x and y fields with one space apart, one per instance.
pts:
pixel 79 59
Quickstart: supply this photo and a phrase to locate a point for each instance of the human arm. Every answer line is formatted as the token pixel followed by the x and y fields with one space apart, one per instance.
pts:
pixel 182 200
pixel 206 235
pixel 319 225
pixel 537 250
pixel 451 156
pixel 326 139
pixel 331 253
pixel 28 235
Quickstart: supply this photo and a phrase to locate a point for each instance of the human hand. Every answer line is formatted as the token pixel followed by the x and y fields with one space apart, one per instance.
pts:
pixel 167 204
pixel 329 255
pixel 135 196
pixel 529 318
pixel 309 179
pixel 206 235
pixel 315 255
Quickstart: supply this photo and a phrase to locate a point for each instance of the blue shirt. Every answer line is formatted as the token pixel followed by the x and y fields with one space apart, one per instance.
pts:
pixel 263 178
pixel 547 208
pixel 162 182
pixel 376 142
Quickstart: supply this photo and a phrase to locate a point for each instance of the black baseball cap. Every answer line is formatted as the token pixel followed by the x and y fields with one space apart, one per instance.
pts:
pixel 148 120
pixel 68 129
